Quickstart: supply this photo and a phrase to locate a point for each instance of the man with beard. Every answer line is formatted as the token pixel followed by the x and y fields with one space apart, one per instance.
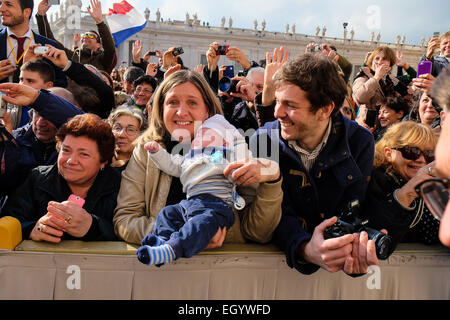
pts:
pixel 97 49
pixel 17 38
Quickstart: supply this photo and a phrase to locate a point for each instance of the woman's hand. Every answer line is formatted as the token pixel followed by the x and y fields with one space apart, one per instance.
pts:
pixel 152 69
pixel 73 219
pixel 407 193
pixel 169 60
pixel 251 171
pixel 381 71
pixel 217 240
pixel 152 146
pixel 47 229
pixel 424 83
pixel 136 51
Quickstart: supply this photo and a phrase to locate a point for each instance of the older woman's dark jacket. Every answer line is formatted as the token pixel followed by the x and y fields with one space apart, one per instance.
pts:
pixel 29 202
pixel 384 212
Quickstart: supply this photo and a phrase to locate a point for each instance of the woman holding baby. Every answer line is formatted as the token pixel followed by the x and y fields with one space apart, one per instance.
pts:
pixel 181 104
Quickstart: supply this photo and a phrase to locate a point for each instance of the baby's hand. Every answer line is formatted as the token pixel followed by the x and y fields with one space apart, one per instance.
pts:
pixel 152 146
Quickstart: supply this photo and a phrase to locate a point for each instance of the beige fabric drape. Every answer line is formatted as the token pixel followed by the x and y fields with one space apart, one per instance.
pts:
pixel 234 272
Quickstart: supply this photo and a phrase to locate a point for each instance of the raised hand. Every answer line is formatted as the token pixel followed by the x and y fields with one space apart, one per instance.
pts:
pixel 136 51
pixel 96 11
pixel 273 64
pixel 43 7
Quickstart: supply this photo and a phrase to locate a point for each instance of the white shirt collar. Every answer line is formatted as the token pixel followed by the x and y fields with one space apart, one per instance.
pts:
pixel 27 34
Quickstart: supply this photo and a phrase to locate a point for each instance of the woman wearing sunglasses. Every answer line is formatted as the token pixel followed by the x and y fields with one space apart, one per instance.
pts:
pixel 403 159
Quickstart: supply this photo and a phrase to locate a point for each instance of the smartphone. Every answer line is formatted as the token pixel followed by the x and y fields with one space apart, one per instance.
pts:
pixel 222 50
pixel 151 53
pixel 53 2
pixel 436 34
pixel 424 67
pixel 79 201
pixel 229 72
pixel 178 51
pixel 371 117
pixel 3 105
pixel 40 50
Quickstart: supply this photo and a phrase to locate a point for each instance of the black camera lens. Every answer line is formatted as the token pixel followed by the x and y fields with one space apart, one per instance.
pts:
pixel 228 85
pixel 383 243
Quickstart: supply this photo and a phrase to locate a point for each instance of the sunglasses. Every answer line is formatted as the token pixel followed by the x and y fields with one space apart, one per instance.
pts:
pixel 89 35
pixel 413 153
pixel 435 194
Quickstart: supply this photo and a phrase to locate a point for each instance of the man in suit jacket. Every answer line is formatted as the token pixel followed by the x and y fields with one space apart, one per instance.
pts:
pixel 15 15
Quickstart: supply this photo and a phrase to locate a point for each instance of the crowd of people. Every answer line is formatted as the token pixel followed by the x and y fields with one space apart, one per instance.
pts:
pixel 179 161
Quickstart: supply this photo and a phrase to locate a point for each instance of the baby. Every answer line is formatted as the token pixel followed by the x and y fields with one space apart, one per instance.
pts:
pixel 185 229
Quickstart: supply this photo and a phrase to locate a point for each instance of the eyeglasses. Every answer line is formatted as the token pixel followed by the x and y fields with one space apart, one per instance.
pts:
pixel 89 35
pixel 144 90
pixel 435 194
pixel 131 131
pixel 413 153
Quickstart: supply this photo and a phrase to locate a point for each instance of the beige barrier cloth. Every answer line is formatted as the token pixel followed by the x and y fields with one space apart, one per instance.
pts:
pixel 86 271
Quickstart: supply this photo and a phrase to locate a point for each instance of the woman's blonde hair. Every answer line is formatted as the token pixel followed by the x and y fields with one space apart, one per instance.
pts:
pixel 388 53
pixel 407 133
pixel 157 130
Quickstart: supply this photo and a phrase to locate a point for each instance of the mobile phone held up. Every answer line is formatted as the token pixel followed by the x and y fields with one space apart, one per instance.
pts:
pixel 424 67
pixel 79 201
pixel 54 2
pixel 371 117
pixel 229 72
pixel 178 51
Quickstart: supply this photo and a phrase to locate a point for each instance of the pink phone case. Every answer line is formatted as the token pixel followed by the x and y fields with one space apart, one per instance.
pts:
pixel 424 67
pixel 77 200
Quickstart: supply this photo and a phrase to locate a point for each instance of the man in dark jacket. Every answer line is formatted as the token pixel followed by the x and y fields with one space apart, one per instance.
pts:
pixel 17 38
pixel 34 144
pixel 325 160
pixel 97 49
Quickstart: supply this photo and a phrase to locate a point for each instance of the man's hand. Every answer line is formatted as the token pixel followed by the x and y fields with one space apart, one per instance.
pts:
pixel 433 44
pixel 363 255
pixel 43 7
pixel 6 69
pixel 244 90
pixel 58 57
pixel 280 57
pixel 330 254
pixel 96 11
pixel 18 94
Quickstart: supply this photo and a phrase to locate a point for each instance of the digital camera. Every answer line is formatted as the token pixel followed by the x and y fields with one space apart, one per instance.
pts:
pixel 178 51
pixel 349 223
pixel 222 50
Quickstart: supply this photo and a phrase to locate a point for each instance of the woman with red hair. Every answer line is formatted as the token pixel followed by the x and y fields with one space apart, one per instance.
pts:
pixel 74 198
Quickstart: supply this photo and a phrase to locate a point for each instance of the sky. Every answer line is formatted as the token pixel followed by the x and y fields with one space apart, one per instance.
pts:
pixel 414 18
